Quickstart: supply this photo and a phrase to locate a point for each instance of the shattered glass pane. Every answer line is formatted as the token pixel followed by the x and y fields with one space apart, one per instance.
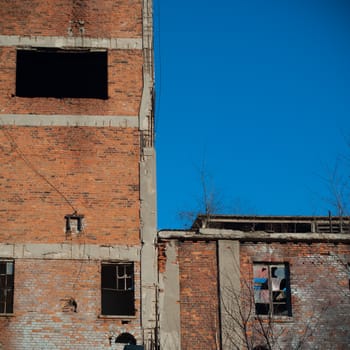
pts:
pixel 270 283
pixel 261 289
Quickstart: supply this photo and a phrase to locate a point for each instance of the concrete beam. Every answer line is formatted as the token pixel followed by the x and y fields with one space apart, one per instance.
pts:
pixel 149 283
pixel 257 236
pixel 69 251
pixel 69 120
pixel 71 42
pixel 229 294
pixel 148 238
pixel 169 301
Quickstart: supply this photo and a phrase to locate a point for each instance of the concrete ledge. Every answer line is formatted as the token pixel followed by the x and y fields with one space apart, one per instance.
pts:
pixel 71 42
pixel 69 251
pixel 257 236
pixel 69 120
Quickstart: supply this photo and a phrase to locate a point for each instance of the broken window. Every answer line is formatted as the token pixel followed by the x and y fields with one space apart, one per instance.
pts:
pixel 6 286
pixel 61 73
pixel 272 289
pixel 117 284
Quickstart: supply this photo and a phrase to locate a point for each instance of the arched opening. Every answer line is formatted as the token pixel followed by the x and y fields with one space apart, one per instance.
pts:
pixel 126 338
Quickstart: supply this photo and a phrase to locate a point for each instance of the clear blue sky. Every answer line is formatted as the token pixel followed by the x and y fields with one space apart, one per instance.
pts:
pixel 259 91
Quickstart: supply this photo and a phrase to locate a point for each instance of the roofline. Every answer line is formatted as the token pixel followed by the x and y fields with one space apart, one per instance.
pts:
pixel 207 234
pixel 276 218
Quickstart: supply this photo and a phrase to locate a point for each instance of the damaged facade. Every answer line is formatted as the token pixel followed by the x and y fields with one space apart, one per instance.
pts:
pixel 255 283
pixel 81 265
pixel 77 175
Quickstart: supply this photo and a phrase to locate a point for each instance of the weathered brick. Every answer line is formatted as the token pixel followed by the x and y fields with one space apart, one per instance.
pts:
pixel 47 172
pixel 319 282
pixel 198 295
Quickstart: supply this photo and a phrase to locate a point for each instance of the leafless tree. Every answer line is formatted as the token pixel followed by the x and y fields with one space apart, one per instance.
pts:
pixel 338 189
pixel 337 180
pixel 209 201
pixel 242 327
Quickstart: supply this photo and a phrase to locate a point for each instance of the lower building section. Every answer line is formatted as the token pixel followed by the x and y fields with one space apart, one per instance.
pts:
pixel 226 289
pixel 217 289
pixel 70 303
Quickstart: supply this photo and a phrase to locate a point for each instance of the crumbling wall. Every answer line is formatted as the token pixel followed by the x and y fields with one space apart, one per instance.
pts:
pixel 169 296
pixel 49 172
pixel 57 306
pixel 75 158
pixel 99 19
pixel 319 283
pixel 124 89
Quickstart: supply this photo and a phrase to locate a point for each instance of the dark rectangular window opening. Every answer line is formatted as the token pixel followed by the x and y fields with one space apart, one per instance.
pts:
pixel 272 289
pixel 7 271
pixel 117 289
pixel 61 73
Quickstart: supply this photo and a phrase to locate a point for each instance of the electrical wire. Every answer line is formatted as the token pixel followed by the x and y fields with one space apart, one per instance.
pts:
pixel 30 165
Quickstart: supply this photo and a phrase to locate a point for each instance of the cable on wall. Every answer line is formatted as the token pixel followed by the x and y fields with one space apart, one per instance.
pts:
pixel 29 164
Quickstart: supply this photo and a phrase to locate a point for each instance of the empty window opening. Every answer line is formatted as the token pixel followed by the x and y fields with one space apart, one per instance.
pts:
pixel 272 289
pixel 61 74
pixel 255 226
pixel 6 286
pixel 74 223
pixel 117 289
pixel 126 338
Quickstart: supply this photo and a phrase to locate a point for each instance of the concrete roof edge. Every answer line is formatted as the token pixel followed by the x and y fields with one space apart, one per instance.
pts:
pixel 258 236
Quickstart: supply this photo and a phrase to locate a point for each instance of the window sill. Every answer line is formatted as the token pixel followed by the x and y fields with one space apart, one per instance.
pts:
pixel 275 318
pixel 118 317
pixel 7 315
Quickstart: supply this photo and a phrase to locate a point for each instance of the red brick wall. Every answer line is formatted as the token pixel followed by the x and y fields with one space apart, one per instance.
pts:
pixel 319 288
pixel 320 293
pixel 96 169
pixel 40 320
pixel 124 89
pixel 102 19
pixel 198 296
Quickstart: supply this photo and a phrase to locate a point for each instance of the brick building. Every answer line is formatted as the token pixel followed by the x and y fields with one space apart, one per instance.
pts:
pixel 77 175
pixel 240 282
pixel 80 265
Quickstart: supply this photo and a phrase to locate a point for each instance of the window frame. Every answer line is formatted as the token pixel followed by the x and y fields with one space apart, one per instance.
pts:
pixel 275 298
pixel 118 290
pixel 7 290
